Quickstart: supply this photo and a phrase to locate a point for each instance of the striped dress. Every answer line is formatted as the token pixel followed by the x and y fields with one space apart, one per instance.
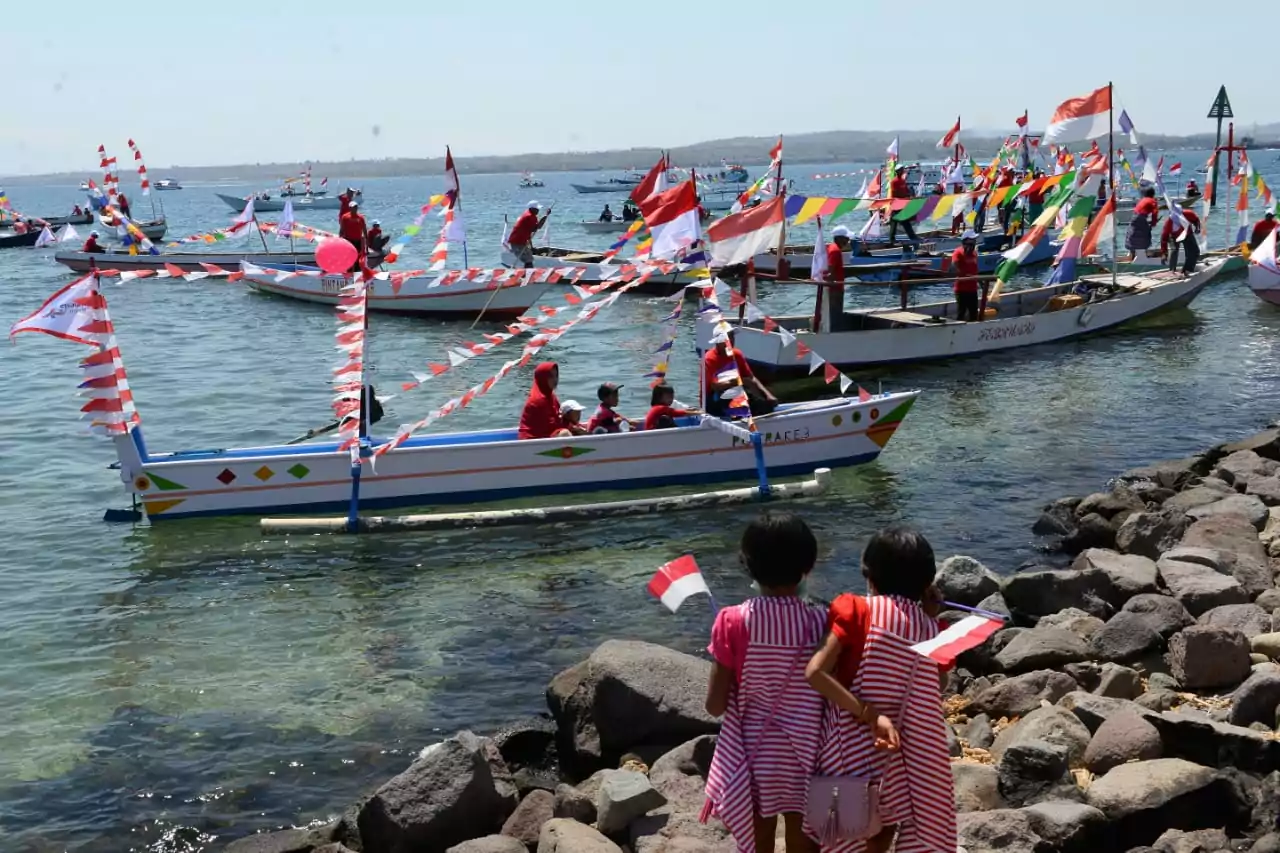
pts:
pixel 915 790
pixel 762 765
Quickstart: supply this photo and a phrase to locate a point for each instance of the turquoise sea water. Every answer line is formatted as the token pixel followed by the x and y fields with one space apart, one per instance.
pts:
pixel 161 687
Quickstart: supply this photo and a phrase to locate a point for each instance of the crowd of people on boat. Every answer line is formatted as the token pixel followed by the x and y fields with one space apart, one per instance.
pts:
pixel 630 213
pixel 808 690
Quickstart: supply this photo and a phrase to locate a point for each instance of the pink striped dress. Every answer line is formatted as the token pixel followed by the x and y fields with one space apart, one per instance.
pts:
pixel 762 765
pixel 915 788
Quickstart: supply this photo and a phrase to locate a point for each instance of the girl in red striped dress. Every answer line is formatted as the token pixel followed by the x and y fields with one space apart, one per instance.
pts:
pixel 769 740
pixel 869 674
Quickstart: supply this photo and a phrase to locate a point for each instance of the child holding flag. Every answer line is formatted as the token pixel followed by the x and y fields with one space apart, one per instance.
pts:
pixel 768 742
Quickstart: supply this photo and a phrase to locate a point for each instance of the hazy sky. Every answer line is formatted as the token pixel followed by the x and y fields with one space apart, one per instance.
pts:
pixel 224 83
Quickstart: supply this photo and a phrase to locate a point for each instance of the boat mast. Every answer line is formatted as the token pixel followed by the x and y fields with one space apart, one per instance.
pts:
pixel 781 192
pixel 1111 153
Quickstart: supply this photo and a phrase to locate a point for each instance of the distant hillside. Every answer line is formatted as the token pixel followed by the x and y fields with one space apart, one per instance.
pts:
pixel 831 146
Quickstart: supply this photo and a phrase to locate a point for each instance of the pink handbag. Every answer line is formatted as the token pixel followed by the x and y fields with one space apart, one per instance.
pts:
pixel 847 808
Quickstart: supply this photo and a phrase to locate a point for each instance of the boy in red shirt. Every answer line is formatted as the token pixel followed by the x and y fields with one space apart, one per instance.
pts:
pixel 1171 233
pixel 964 263
pixel 662 415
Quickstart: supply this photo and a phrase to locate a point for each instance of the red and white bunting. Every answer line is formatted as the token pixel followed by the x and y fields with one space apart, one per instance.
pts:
pixel 440 254
pixel 142 168
pixel 348 377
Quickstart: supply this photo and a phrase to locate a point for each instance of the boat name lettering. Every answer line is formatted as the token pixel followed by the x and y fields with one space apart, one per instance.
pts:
pixel 778 437
pixel 999 333
pixel 331 284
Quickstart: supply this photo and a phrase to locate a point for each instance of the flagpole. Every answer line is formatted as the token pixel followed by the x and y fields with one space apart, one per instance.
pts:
pixel 1111 148
pixel 782 268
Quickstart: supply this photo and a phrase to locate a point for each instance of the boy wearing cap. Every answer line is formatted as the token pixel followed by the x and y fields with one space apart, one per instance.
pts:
pixel 606 419
pixel 964 263
pixel 571 415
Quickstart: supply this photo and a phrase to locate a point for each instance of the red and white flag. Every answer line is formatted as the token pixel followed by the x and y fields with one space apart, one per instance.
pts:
pixel 1101 230
pixel 1078 119
pixel 451 186
pixel 676 581
pixel 672 218
pixel 952 135
pixel 1176 169
pixel 739 237
pixel 653 183
pixel 968 633
pixel 1021 121
pixel 66 314
pixel 324 182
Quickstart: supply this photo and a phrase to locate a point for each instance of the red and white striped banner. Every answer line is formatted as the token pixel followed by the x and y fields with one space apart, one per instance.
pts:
pixel 348 377
pixel 142 168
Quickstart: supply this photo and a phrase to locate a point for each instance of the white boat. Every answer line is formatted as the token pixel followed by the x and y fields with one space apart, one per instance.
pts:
pixel 301 202
pixel 1265 283
pixel 473 467
pixel 168 184
pixel 612 226
pixel 154 229
pixel 422 295
pixel 928 332
pixel 119 259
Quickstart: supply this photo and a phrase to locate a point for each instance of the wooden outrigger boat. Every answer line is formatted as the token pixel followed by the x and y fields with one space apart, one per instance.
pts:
pixel 154 229
pixel 475 467
pixel 185 261
pixel 869 337
pixel 301 202
pixel 422 296
pixel 14 240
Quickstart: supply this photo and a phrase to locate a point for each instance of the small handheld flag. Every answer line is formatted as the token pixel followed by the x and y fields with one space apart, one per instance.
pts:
pixel 968 633
pixel 676 581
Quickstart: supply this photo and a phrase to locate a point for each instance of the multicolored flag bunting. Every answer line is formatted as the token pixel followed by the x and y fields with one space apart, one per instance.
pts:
pixel 775 160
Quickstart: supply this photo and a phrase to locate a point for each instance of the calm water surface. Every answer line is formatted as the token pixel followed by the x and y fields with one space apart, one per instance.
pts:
pixel 162 687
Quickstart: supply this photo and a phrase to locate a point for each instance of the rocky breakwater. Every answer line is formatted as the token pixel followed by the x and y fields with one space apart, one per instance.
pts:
pixel 1130 705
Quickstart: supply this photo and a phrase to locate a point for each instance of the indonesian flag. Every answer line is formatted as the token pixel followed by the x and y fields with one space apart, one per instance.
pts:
pixel 654 182
pixel 451 186
pixel 775 153
pixel 968 633
pixel 247 214
pixel 324 182
pixel 672 217
pixel 1021 121
pixel 1176 169
pixel 1102 228
pixel 455 231
pixel 952 135
pixel 676 581
pixel 739 237
pixel 1078 119
pixel 65 314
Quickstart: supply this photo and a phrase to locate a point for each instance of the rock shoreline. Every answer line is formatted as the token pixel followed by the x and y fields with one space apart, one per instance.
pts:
pixel 1132 704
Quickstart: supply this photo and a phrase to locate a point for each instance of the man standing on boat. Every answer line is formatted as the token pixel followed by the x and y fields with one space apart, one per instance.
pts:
pixel 830 314
pixel 521 238
pixel 898 189
pixel 352 228
pixel 1181 234
pixel 344 202
pixel 122 202
pixel 720 358
pixel 964 263
pixel 1262 229
pixel 92 246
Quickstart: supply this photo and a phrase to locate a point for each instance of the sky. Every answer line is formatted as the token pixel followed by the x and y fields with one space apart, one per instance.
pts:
pixel 229 83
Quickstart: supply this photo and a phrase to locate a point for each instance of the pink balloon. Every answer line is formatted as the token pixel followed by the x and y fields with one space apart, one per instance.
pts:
pixel 335 255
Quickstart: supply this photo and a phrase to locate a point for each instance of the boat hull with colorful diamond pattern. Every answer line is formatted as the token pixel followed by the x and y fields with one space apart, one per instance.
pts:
pixel 477 467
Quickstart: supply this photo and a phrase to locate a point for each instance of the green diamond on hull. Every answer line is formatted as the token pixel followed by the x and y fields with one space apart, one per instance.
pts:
pixel 164 485
pixel 299 471
pixel 566 452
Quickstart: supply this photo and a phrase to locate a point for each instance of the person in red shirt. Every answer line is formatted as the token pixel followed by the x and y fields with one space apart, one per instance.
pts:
pixel 92 246
pixel 123 204
pixel 661 413
pixel 1172 232
pixel 344 202
pixel 541 416
pixel 964 262
pixel 1145 215
pixel 831 299
pixel 352 228
pixel 720 358
pixel 1262 229
pixel 898 189
pixel 521 238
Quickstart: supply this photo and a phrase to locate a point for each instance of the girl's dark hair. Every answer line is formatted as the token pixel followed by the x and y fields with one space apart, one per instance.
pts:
pixel 899 561
pixel 1149 192
pixel 778 549
pixel 659 391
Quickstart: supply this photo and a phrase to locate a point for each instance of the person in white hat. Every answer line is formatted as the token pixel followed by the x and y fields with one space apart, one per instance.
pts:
pixel 964 263
pixel 571 414
pixel 830 307
pixel 521 238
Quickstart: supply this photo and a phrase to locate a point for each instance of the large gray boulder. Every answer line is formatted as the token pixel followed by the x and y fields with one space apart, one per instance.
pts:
pixel 566 836
pixel 1169 473
pixel 1197 496
pixel 1150 534
pixel 525 823
pixel 1165 614
pixel 1245 565
pixel 1030 769
pixel 1042 648
pixel 1068 827
pixel 1143 799
pixel 1041 592
pixel 1092 530
pixel 976 787
pixel 1266 644
pixel 1050 723
pixel 673 832
pixel 1120 739
pixel 624 796
pixel 625 696
pixel 1021 694
pixel 1093 710
pixel 1127 574
pixel 1005 830
pixel 1198 587
pixel 1119 682
pixel 1240 467
pixel 1266 489
pixel 1233 534
pixel 301 840
pixel 1256 700
pixel 1118 501
pixel 447 796
pixel 1126 636
pixel 490 844
pixel 964 580
pixel 1268 600
pixel 1199 841
pixel 1195 738
pixel 1250 507
pixel 1074 620
pixel 573 804
pixel 1204 657
pixel 1249 619
pixel 681 774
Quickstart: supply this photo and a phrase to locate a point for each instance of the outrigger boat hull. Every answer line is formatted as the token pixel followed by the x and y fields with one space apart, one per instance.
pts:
pixel 419 296
pixel 475 467
pixel 300 203
pixel 185 261
pixel 1264 283
pixel 10 240
pixel 931 332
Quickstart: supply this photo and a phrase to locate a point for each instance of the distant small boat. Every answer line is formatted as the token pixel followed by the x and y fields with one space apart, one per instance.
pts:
pixel 300 202
pixel 153 229
pixel 530 181
pixel 85 218
pixel 84 185
pixel 611 226
pixel 13 240
pixel 168 184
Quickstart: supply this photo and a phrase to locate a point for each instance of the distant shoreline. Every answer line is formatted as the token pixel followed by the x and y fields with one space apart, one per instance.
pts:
pixel 810 148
